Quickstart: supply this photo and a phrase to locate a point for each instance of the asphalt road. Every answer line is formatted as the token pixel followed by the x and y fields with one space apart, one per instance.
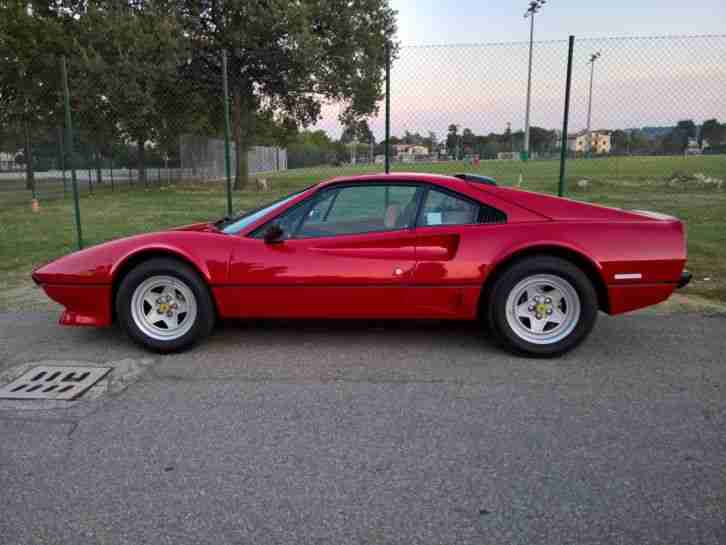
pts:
pixel 370 433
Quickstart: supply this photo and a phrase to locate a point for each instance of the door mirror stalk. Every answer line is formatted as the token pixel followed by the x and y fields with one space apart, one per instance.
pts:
pixel 273 235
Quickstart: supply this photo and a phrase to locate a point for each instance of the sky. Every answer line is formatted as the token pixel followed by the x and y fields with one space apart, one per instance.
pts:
pixel 481 83
pixel 423 22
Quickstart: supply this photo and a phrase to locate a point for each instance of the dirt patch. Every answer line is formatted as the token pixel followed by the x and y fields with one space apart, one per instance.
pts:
pixel 699 180
pixel 687 303
pixel 18 293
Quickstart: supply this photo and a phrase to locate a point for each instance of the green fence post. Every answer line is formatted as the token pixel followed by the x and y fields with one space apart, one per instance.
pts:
pixel 227 158
pixel 69 151
pixel 563 145
pixel 61 157
pixel 387 149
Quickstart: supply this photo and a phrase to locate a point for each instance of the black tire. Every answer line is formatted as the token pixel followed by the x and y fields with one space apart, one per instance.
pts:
pixel 541 265
pixel 205 311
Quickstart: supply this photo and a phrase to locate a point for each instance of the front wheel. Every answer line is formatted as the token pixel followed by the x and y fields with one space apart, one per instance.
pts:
pixel 542 306
pixel 164 305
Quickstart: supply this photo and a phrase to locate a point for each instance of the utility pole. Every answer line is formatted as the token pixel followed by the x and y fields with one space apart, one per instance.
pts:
pixel 227 155
pixel 591 62
pixel 534 7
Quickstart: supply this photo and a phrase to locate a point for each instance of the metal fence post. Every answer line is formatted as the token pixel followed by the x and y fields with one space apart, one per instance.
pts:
pixel 69 150
pixel 388 109
pixel 565 119
pixel 90 180
pixel 227 158
pixel 61 157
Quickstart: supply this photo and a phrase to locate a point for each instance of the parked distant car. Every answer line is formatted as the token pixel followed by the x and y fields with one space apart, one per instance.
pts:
pixel 535 268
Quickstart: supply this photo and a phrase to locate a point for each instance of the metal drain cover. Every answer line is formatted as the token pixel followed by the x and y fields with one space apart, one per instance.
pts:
pixel 53 382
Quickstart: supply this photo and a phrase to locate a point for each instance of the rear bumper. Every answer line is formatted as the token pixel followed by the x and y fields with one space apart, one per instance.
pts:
pixel 685 279
pixel 624 298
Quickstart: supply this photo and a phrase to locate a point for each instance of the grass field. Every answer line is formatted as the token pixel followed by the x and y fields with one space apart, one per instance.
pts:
pixel 663 184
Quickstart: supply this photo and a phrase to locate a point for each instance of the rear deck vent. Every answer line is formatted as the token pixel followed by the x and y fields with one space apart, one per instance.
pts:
pixel 476 179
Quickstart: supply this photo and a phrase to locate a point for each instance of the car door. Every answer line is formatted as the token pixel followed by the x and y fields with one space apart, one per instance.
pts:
pixel 451 231
pixel 348 251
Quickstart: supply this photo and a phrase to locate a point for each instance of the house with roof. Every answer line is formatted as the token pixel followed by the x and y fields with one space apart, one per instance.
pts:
pixel 598 142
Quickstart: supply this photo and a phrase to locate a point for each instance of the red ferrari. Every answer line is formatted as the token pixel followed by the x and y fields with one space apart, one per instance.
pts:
pixel 534 268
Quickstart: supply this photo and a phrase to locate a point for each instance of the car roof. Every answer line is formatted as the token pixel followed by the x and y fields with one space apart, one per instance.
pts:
pixel 438 179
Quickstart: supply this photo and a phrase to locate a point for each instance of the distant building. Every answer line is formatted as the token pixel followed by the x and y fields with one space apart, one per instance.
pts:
pixel 410 149
pixel 599 142
pixel 693 148
pixel 410 153
pixel 7 161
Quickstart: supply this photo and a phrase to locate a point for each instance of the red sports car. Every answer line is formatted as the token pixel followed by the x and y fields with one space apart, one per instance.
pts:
pixel 535 268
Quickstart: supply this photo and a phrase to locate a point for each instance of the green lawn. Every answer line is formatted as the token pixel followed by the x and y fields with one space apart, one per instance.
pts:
pixel 28 239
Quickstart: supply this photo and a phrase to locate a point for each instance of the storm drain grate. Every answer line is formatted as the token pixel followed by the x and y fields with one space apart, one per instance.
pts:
pixel 53 382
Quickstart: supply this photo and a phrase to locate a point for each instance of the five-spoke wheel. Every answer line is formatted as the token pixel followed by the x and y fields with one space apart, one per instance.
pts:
pixel 542 306
pixel 164 305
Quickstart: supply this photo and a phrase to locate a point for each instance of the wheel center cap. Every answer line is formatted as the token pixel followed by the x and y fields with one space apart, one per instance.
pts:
pixel 163 307
pixel 541 308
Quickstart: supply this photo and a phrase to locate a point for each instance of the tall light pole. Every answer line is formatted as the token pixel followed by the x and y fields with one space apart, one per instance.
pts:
pixel 534 7
pixel 591 62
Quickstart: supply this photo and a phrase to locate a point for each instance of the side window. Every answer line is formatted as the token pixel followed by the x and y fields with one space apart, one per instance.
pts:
pixel 442 208
pixel 361 209
pixel 316 213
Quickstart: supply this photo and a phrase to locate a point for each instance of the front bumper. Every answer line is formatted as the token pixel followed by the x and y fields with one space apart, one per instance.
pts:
pixel 685 279
pixel 86 304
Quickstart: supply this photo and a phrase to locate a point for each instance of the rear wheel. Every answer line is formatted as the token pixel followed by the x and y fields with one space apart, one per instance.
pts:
pixel 164 305
pixel 542 306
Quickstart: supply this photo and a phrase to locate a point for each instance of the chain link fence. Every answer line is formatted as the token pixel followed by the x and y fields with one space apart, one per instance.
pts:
pixel 651 110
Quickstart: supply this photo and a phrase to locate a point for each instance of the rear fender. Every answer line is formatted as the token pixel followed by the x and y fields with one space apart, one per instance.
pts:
pixel 570 252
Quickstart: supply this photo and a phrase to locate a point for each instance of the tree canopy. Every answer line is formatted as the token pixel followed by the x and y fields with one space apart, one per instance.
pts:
pixel 142 71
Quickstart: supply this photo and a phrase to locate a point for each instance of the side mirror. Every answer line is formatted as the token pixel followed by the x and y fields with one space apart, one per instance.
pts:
pixel 273 235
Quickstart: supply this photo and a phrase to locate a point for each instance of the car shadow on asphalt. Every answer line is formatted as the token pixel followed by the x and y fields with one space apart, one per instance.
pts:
pixel 348 335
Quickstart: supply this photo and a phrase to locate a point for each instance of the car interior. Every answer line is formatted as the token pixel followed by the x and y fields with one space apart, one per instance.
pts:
pixel 364 209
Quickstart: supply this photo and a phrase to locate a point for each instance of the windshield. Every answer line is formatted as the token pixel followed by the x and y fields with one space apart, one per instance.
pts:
pixel 234 225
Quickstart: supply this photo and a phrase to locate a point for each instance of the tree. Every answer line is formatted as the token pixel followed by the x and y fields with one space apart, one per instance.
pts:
pixel 542 140
pixel 288 57
pixel 619 140
pixel 687 127
pixel 127 71
pixel 677 140
pixel 712 131
pixel 357 131
pixel 28 99
pixel 453 141
pixel 432 142
pixel 467 140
